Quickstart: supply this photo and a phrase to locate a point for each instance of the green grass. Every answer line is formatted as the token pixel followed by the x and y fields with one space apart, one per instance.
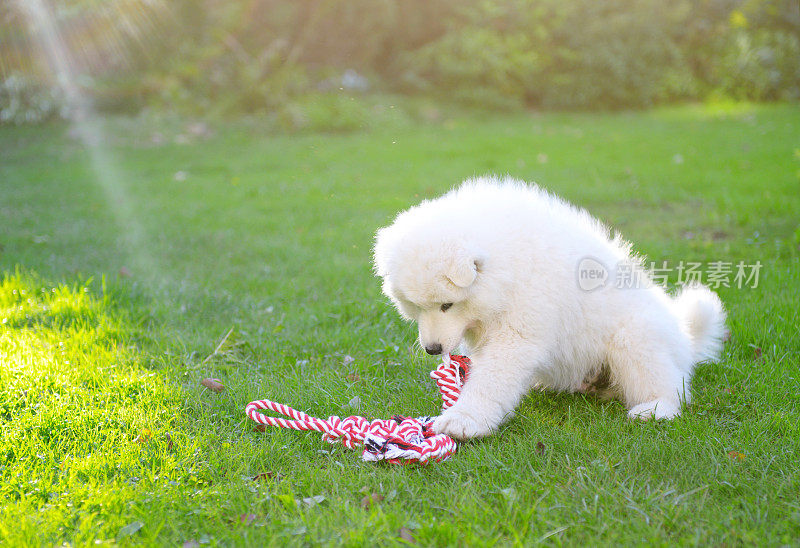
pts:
pixel 114 296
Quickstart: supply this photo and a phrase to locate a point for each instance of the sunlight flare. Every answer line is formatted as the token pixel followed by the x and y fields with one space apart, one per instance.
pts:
pixel 88 128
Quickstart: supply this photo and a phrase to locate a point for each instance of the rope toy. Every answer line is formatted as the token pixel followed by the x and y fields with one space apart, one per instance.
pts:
pixel 398 440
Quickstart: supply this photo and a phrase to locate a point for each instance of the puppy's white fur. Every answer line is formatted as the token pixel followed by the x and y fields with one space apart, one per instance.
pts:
pixel 507 255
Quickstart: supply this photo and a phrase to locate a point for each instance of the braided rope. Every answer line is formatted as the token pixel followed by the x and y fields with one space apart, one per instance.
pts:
pixel 395 440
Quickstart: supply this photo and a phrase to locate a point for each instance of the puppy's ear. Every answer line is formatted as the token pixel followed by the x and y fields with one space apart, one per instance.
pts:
pixel 463 270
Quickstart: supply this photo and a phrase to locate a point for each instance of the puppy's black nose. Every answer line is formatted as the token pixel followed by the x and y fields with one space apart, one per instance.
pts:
pixel 434 349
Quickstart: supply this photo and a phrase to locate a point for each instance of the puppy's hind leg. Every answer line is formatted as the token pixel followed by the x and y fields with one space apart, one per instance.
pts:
pixel 647 375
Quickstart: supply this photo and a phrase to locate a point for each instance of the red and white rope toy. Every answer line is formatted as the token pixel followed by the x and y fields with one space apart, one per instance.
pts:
pixel 395 440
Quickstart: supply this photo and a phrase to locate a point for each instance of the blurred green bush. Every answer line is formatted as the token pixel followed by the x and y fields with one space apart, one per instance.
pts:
pixel 24 101
pixel 613 53
pixel 293 59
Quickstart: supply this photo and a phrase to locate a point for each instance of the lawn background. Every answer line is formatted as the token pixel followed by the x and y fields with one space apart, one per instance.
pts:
pixel 117 289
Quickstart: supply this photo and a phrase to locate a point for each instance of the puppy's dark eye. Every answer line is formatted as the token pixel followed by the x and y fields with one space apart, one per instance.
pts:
pixel 446 306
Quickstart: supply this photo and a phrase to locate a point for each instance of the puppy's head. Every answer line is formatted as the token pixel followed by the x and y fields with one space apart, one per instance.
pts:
pixel 431 277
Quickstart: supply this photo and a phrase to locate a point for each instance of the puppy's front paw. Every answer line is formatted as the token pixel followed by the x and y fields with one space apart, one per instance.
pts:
pixel 460 425
pixel 656 409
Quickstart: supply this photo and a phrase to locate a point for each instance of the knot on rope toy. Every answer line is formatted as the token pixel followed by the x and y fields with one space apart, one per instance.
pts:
pixel 396 440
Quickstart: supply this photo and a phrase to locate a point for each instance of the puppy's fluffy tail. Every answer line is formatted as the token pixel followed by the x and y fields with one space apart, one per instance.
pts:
pixel 703 319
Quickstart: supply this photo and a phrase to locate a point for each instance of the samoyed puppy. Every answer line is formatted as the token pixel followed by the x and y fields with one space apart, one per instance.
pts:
pixel 539 294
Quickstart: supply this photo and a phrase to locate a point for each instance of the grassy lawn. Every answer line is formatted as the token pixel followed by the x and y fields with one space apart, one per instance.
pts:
pixel 123 269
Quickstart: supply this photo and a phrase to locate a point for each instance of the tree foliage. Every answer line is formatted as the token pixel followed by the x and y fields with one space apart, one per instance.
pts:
pixel 257 55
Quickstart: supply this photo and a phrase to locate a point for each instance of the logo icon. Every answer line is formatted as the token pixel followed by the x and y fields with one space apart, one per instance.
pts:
pixel 592 274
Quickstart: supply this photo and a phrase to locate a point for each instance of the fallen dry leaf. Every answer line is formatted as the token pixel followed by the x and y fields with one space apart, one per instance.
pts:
pixel 369 500
pixel 143 436
pixel 215 385
pixel 509 493
pixel 130 529
pixel 263 476
pixel 736 455
pixel 540 448
pixel 313 501
pixel 260 428
pixel 247 519
pixel 757 352
pixel 406 534
pixel 353 377
pixel 719 235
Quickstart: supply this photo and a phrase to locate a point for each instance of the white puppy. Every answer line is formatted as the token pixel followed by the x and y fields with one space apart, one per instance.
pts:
pixel 542 296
